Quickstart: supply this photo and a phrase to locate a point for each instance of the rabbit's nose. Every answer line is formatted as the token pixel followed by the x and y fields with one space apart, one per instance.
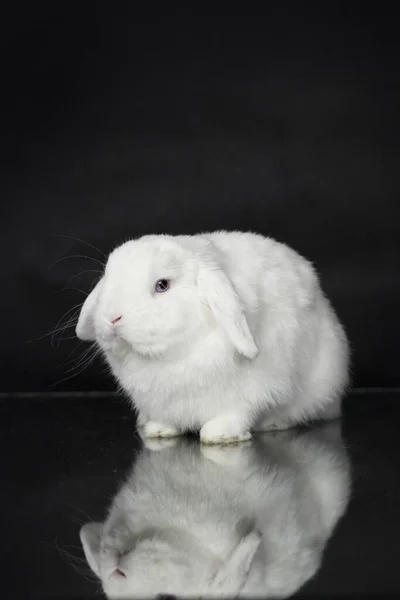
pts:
pixel 118 573
pixel 113 321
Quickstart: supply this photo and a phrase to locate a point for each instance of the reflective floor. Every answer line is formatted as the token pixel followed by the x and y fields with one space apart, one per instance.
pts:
pixel 307 513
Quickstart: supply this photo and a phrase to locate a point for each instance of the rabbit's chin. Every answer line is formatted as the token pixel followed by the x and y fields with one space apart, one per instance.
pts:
pixel 115 345
pixel 120 347
pixel 151 351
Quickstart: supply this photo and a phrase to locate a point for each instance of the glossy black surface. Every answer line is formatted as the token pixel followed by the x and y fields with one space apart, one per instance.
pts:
pixel 63 459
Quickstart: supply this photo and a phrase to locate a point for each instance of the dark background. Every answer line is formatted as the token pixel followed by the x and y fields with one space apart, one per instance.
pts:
pixel 117 124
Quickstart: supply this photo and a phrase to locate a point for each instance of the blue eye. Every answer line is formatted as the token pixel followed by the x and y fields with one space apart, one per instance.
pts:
pixel 162 286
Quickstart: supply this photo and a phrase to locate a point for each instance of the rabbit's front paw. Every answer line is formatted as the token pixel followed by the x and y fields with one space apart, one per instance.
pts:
pixel 224 431
pixel 152 429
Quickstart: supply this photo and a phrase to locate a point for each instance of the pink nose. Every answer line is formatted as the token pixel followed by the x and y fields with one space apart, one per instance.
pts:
pixel 113 321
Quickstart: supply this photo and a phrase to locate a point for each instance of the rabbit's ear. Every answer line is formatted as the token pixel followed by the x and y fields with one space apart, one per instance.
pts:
pixel 232 575
pixel 85 326
pixel 90 535
pixel 217 291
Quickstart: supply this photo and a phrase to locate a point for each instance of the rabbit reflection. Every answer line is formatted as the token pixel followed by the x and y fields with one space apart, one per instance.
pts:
pixel 249 520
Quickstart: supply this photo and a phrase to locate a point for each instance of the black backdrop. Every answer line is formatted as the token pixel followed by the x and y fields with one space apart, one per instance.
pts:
pixel 117 124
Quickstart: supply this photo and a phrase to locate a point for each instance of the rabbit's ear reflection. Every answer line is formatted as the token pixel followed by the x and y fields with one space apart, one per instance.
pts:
pixel 90 535
pixel 230 577
pixel 249 520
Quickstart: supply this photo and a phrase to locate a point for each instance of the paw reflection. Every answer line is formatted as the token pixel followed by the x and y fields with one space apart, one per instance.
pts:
pixel 157 444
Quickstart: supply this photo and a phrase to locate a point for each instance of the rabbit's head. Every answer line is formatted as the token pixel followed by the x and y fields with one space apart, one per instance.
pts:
pixel 160 292
pixel 166 564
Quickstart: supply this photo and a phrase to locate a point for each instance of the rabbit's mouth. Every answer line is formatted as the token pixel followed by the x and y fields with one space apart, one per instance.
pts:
pixel 115 344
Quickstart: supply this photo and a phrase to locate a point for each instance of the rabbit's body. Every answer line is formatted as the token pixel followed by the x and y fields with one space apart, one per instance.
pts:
pixel 260 349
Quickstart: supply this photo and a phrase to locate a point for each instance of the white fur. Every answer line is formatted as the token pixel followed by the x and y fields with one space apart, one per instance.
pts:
pixel 245 339
pixel 250 520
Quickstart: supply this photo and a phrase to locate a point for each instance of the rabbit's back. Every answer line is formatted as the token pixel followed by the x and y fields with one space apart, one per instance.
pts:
pixel 264 270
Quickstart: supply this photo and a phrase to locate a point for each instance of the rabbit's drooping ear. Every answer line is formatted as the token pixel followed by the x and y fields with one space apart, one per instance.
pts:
pixel 85 327
pixel 217 290
pixel 90 535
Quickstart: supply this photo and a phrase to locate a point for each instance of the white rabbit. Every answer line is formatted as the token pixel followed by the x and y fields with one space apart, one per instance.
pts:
pixel 224 333
pixel 250 520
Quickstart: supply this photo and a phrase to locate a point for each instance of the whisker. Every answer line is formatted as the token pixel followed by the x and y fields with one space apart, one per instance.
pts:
pixel 85 514
pixel 70 237
pixel 77 256
pixel 78 564
pixel 73 337
pixel 43 336
pixel 96 280
pixel 84 364
pixel 74 289
pixel 61 330
pixel 82 359
pixel 76 307
pixel 76 362
pixel 83 273
pixel 69 322
pixel 78 372
pixel 77 359
pixel 53 331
